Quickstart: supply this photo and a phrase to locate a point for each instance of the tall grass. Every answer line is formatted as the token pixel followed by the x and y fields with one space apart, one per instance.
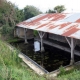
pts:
pixel 73 74
pixel 11 68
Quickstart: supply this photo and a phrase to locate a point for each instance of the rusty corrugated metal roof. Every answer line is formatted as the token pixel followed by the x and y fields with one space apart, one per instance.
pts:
pixel 64 24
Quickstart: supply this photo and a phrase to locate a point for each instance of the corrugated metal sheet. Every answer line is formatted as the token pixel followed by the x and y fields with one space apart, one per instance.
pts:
pixel 58 23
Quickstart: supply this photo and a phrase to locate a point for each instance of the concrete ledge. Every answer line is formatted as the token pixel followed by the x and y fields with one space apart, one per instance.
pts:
pixel 33 65
pixel 40 70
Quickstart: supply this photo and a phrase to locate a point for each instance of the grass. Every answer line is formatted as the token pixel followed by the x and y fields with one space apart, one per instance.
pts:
pixel 73 74
pixel 11 68
pixel 13 40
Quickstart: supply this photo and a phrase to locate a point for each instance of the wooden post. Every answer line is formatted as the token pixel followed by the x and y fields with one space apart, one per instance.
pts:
pixel 72 52
pixel 17 31
pixel 72 46
pixel 25 35
pixel 42 48
pixel 41 37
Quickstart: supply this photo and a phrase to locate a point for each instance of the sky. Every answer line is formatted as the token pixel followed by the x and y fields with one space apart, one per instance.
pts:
pixel 44 5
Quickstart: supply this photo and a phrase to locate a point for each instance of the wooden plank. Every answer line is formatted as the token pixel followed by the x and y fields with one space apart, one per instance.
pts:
pixel 59 46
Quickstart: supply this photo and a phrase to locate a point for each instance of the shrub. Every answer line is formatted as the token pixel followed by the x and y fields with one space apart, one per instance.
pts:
pixel 6 29
pixel 62 70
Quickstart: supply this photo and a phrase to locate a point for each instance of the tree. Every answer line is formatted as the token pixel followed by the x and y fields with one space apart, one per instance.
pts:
pixel 50 11
pixel 9 16
pixel 19 15
pixel 30 11
pixel 7 12
pixel 59 8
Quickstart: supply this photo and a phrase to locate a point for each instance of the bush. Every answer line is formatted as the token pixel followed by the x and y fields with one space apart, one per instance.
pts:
pixel 35 33
pixel 7 30
pixel 62 70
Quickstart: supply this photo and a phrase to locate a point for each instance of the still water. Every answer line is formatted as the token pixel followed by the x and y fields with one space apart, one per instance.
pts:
pixel 51 59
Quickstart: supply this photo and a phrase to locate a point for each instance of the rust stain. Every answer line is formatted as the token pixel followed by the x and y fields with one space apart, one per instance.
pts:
pixel 38 23
pixel 49 25
pixel 52 27
pixel 40 18
pixel 25 23
pixel 58 17
pixel 34 21
pixel 19 23
pixel 31 23
pixel 71 31
pixel 64 25
pixel 70 28
pixel 51 15
pixel 42 25
pixel 78 21
pixel 22 23
pixel 55 15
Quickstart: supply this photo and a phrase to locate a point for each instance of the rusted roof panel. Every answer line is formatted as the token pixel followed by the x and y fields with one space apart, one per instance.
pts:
pixel 57 23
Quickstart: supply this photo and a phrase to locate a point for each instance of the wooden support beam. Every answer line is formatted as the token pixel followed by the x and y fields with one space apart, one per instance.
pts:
pixel 59 46
pixel 41 35
pixel 25 37
pixel 68 41
pixel 72 51
pixel 42 47
pixel 17 31
pixel 72 45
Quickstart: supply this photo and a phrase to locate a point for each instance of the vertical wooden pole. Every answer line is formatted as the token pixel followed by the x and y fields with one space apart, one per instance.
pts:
pixel 17 32
pixel 42 48
pixel 25 35
pixel 72 52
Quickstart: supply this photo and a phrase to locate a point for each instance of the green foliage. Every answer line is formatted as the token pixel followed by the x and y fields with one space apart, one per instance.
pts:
pixel 59 8
pixel 30 11
pixel 19 15
pixel 73 74
pixel 7 56
pixel 50 11
pixel 35 33
pixel 62 70
pixel 10 65
pixel 14 73
pixel 7 31
pixel 9 16
pixel 13 40
pixel 7 12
